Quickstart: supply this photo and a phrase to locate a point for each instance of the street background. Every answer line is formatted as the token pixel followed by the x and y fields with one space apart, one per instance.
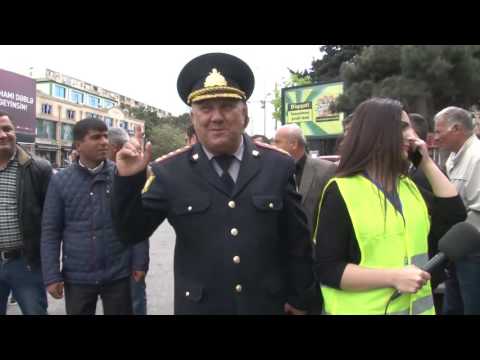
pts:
pixel 159 278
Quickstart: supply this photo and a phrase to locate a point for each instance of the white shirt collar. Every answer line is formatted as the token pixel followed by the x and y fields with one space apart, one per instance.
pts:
pixel 14 154
pixel 10 160
pixel 94 170
pixel 238 154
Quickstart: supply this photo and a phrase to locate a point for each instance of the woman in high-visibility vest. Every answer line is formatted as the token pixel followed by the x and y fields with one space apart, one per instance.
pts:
pixel 373 221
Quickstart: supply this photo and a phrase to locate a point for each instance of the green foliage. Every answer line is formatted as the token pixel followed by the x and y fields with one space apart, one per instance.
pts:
pixel 166 138
pixel 327 69
pixel 425 78
pixel 165 133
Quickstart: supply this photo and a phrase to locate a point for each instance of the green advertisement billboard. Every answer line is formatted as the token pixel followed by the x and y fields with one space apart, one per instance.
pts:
pixel 309 107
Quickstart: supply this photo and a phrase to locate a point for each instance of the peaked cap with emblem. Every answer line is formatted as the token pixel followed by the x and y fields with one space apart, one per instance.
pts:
pixel 215 75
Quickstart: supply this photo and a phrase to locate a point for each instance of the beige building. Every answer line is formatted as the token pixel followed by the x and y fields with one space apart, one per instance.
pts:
pixel 61 101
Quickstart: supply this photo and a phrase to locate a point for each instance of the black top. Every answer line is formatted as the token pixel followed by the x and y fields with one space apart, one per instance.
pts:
pixel 337 244
pixel 419 178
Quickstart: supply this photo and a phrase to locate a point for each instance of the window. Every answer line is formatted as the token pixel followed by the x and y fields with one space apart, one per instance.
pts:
pixel 46 108
pixel 70 114
pixel 46 129
pixel 76 97
pixel 93 115
pixel 93 101
pixel 108 104
pixel 108 121
pixel 59 91
pixel 67 132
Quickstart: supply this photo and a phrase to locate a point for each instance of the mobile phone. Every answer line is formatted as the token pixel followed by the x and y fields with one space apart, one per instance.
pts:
pixel 415 157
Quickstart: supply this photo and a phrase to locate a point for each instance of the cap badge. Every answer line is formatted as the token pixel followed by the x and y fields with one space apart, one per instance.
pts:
pixel 215 78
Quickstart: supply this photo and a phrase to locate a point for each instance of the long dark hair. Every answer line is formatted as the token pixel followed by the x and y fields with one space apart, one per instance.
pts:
pixel 375 139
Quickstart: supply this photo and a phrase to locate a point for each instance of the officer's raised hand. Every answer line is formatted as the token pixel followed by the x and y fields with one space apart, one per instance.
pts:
pixel 133 157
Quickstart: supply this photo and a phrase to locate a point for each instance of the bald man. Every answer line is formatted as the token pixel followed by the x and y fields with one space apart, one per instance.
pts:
pixel 311 174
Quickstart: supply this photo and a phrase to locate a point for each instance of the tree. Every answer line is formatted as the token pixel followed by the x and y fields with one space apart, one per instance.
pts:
pixel 166 133
pixel 180 122
pixel 425 78
pixel 166 138
pixel 327 68
pixel 150 117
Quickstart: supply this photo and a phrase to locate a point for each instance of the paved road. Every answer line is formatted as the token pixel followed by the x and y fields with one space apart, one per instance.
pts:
pixel 159 278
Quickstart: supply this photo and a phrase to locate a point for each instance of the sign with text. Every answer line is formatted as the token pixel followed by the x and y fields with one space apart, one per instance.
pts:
pixel 17 98
pixel 309 107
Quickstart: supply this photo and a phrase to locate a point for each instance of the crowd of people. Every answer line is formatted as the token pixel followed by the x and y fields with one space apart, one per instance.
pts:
pixel 260 228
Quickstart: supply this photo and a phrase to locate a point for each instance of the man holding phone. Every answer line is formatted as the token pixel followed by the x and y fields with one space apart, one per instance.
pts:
pixel 454 132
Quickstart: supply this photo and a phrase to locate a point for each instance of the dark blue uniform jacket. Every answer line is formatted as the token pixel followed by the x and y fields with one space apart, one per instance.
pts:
pixel 248 253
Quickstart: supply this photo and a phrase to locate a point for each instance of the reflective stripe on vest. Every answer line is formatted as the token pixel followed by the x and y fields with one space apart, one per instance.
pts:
pixel 423 304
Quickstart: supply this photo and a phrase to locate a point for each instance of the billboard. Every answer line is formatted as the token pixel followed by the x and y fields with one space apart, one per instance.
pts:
pixel 17 98
pixel 309 107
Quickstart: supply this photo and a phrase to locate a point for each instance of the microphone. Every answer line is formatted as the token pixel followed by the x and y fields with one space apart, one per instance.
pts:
pixel 460 241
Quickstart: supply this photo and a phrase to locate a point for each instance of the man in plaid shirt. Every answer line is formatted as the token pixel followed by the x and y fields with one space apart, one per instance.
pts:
pixel 23 184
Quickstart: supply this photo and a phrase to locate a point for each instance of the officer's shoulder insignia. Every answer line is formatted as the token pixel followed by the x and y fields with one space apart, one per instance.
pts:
pixel 271 147
pixel 172 154
pixel 148 183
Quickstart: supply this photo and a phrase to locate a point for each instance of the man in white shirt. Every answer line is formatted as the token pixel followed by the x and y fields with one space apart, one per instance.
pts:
pixel 454 132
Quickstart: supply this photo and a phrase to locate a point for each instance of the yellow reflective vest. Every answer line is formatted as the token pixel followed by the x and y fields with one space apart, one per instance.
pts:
pixel 386 241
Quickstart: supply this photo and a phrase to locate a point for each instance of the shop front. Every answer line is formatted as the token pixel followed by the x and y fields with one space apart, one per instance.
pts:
pixel 47 152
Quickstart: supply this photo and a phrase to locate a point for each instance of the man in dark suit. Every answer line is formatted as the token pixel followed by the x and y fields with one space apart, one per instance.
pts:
pixel 311 174
pixel 242 238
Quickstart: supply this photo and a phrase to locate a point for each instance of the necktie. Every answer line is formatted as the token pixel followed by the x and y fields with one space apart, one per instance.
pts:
pixel 224 161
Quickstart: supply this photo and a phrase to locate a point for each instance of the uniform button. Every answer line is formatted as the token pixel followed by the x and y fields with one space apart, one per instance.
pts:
pixel 234 232
pixel 231 204
pixel 91 194
pixel 187 294
pixel 189 208
pixel 94 237
pixel 270 205
pixel 238 288
pixel 236 259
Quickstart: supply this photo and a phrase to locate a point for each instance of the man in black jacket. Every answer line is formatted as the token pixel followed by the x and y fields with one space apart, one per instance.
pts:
pixel 23 184
pixel 243 242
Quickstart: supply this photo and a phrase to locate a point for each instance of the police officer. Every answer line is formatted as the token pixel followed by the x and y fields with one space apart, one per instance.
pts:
pixel 242 239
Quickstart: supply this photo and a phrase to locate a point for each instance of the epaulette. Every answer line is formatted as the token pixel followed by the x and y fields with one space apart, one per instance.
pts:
pixel 268 146
pixel 173 153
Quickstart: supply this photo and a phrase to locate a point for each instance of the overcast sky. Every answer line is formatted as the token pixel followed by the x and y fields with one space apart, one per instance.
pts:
pixel 149 73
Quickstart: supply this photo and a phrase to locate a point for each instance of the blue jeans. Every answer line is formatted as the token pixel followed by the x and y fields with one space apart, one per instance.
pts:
pixel 468 274
pixel 139 297
pixel 26 285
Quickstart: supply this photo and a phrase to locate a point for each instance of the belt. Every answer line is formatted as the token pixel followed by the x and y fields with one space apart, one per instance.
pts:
pixel 10 254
